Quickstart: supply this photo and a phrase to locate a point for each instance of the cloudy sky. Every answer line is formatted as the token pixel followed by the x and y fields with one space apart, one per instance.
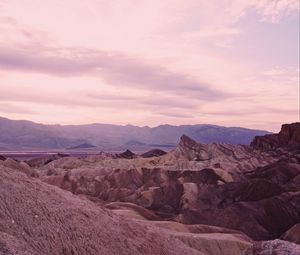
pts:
pixel 149 62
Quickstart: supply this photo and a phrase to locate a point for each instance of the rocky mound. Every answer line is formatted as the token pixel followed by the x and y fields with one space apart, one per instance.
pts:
pixel 153 153
pixel 288 136
pixel 38 162
pixel 20 166
pixel 275 247
pixel 36 217
pixel 126 154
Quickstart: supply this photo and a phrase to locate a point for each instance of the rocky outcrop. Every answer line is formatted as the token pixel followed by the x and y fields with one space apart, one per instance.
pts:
pixel 285 173
pixel 262 219
pixel 290 133
pixel 293 234
pixel 288 136
pixel 192 150
pixel 275 247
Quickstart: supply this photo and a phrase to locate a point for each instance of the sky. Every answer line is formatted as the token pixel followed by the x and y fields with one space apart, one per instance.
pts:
pixel 150 62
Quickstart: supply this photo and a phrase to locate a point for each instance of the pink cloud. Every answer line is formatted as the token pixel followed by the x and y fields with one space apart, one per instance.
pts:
pixel 117 69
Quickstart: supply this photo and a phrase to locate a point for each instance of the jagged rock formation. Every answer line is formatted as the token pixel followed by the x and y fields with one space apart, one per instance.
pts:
pixel 288 136
pixel 228 159
pixel 232 186
pixel 126 154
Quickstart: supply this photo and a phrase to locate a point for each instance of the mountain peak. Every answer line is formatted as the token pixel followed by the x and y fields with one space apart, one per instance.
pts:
pixel 186 141
pixel 127 154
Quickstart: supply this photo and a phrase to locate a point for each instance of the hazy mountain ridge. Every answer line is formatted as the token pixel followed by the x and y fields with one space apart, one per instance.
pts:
pixel 19 134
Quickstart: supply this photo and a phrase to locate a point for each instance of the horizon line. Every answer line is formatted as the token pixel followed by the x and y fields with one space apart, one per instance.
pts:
pixel 139 126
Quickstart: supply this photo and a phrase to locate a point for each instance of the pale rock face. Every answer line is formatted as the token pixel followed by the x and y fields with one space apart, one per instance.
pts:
pixel 274 247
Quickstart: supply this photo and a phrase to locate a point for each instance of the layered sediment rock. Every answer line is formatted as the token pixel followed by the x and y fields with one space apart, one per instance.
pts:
pixel 289 135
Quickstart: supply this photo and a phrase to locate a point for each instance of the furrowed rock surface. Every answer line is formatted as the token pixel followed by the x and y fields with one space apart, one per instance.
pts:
pixel 36 218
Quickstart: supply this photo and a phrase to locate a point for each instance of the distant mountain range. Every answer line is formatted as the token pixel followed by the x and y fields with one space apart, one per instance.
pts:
pixel 27 135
